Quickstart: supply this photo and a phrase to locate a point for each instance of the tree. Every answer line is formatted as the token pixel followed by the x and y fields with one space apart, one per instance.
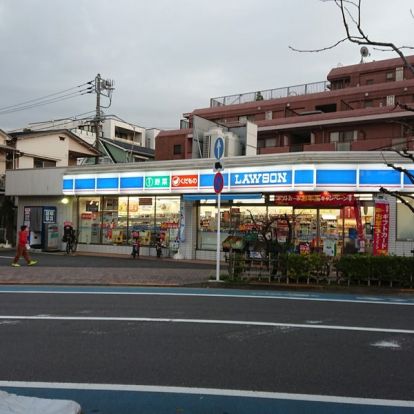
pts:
pixel 268 241
pixel 350 12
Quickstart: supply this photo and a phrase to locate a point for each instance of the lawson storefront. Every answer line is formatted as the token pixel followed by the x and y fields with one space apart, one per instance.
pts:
pixel 334 207
pixel 332 201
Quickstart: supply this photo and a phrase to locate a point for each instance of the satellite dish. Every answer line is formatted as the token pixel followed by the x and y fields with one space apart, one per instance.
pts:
pixel 364 53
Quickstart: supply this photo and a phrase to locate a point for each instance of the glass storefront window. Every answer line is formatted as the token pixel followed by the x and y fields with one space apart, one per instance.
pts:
pixel 141 218
pixel 167 216
pixel 111 220
pixel 241 219
pixel 89 220
pixel 114 220
pixel 405 222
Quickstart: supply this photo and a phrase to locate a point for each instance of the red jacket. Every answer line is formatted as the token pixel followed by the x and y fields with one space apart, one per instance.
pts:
pixel 23 237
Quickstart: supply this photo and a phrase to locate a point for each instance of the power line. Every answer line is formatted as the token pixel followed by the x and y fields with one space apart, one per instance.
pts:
pixel 46 102
pixel 46 96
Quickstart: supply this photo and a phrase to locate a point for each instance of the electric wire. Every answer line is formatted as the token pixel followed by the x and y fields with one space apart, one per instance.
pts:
pixel 46 96
pixel 46 102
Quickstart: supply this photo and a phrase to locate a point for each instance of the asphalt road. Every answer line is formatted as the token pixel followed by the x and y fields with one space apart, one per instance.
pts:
pixel 359 348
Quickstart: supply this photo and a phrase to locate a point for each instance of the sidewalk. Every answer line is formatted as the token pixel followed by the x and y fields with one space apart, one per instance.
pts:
pixel 106 270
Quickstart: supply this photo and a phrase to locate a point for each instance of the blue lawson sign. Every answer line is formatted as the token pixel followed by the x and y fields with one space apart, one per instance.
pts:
pixel 361 177
pixel 219 148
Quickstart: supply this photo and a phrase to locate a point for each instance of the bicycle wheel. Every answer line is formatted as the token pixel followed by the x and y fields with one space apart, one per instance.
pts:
pixel 74 246
pixel 68 246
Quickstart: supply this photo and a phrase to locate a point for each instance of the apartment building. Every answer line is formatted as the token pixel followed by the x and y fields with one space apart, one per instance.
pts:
pixel 359 107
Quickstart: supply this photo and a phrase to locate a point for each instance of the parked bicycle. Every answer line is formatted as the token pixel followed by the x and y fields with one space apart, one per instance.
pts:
pixel 69 236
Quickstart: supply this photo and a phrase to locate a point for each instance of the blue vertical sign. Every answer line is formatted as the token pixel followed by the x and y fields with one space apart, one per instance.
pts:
pixel 219 148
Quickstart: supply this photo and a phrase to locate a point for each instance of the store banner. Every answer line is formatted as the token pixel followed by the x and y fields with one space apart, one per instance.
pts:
pixel 326 199
pixel 181 231
pixel 381 227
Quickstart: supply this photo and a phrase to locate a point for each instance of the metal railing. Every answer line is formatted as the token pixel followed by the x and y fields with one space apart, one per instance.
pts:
pixel 268 94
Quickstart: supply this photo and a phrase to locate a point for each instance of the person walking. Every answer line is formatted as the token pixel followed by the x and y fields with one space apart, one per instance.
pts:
pixel 135 244
pixel 22 249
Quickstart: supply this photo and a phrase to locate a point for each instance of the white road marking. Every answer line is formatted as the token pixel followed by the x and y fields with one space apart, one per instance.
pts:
pixel 209 391
pixel 292 296
pixel 387 344
pixel 204 321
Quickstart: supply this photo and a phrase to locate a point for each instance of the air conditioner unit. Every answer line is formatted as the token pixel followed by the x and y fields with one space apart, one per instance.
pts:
pixel 232 145
pixel 206 146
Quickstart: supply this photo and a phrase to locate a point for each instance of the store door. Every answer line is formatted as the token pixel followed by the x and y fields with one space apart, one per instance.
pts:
pixel 319 230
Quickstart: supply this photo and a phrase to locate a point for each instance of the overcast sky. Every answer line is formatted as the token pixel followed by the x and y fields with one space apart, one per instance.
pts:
pixel 168 57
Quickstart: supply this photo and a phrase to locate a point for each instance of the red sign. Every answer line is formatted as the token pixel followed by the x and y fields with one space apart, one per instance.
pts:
pixel 218 182
pixel 381 228
pixel 300 199
pixel 184 181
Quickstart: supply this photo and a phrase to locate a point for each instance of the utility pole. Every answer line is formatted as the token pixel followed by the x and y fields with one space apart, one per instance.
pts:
pixel 98 114
pixel 102 87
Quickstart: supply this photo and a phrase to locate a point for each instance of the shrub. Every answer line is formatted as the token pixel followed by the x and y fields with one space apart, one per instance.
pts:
pixel 298 266
pixel 385 269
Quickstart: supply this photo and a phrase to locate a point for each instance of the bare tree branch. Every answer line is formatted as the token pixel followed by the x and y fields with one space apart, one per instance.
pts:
pixel 318 50
pixel 360 38
pixel 398 196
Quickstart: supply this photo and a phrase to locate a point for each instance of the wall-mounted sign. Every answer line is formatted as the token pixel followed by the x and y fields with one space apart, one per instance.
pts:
pixel 184 181
pixel 327 199
pixel 381 227
pixel 260 179
pixel 265 178
pixel 157 182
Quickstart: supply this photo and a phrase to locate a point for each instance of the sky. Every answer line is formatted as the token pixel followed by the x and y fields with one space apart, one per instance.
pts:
pixel 168 57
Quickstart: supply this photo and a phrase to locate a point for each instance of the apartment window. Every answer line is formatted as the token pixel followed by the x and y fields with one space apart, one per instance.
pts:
pixel 268 115
pixel 390 100
pixel 342 136
pixel 41 163
pixel 369 82
pixel 399 74
pixel 389 76
pixel 243 119
pixel 260 143
pixel 177 149
pixel 368 104
pixel 270 142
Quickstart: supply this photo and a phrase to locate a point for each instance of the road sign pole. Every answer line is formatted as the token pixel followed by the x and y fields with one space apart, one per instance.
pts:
pixel 218 238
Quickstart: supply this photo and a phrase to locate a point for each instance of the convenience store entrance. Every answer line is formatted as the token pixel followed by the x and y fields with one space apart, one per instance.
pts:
pixel 325 230
pixel 326 222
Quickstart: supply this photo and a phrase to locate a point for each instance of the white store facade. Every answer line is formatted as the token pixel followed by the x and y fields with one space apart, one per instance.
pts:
pixel 332 199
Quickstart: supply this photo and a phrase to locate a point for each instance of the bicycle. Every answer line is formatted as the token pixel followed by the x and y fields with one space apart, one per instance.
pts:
pixel 71 244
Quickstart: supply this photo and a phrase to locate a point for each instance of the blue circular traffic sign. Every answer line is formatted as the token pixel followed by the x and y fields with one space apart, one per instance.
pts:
pixel 219 148
pixel 218 182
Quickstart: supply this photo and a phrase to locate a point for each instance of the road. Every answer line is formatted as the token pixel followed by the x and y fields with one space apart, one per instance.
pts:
pixel 239 350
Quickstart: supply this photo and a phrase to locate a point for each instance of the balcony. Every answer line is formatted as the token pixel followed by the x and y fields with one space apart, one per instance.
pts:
pixel 267 94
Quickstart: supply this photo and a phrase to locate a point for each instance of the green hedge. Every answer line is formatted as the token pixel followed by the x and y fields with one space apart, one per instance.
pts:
pixel 380 269
pixel 304 267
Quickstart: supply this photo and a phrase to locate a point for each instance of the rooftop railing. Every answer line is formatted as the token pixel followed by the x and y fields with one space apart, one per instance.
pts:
pixel 268 94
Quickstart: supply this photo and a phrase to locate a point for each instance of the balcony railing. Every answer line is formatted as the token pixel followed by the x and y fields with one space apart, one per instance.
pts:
pixel 2 182
pixel 268 94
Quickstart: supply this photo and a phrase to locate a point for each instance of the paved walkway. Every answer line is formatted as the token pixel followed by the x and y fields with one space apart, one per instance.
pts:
pixel 82 269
